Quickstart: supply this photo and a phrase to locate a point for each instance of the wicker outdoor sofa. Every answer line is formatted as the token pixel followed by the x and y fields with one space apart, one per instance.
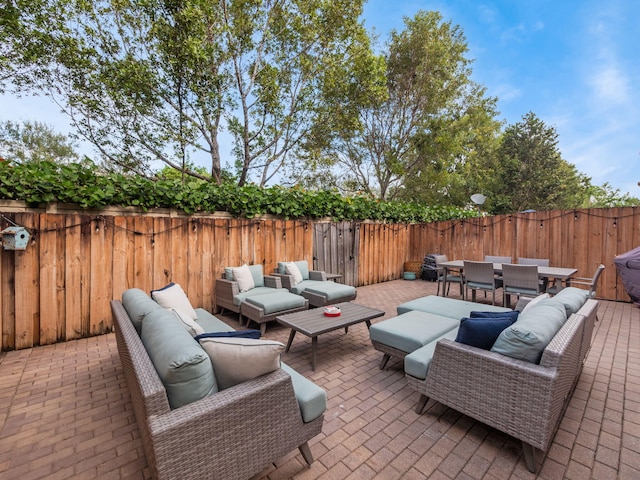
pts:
pixel 523 398
pixel 233 433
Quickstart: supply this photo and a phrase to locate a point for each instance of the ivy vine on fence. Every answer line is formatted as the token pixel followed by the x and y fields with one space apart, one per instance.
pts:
pixel 88 186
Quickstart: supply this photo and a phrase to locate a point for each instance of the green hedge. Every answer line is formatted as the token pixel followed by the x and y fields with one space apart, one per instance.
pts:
pixel 89 187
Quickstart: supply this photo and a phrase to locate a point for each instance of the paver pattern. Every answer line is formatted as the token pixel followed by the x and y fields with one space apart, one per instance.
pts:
pixel 65 411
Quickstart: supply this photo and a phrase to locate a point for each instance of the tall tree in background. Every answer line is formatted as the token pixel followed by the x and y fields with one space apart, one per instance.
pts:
pixel 530 173
pixel 426 122
pixel 157 80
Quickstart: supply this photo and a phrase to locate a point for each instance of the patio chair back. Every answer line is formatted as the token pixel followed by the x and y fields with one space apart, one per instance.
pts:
pixel 448 279
pixel 592 283
pixel 519 280
pixel 541 262
pixel 480 276
pixel 497 259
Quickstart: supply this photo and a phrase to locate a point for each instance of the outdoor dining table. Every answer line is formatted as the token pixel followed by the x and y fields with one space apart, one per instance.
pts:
pixel 560 274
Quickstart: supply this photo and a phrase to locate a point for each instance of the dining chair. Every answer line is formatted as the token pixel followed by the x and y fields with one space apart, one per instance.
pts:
pixel 480 276
pixel 541 262
pixel 591 283
pixel 447 278
pixel 519 280
pixel 497 259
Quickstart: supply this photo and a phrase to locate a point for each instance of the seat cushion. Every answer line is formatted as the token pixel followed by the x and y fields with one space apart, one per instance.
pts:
pixel 411 330
pixel 448 307
pixel 210 323
pixel 183 366
pixel 417 363
pixel 304 284
pixel 277 301
pixel 312 399
pixel 529 336
pixel 332 291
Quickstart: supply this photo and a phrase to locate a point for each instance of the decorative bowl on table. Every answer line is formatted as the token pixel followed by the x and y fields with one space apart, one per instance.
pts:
pixel 331 311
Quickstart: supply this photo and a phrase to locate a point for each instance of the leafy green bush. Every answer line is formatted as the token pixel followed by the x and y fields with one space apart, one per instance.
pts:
pixel 89 187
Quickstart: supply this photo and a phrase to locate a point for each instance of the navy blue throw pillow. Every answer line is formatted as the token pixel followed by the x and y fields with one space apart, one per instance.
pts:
pixel 512 314
pixel 481 332
pixel 237 334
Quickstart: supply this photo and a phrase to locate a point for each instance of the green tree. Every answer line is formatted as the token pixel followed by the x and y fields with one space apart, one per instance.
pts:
pixel 414 134
pixel 606 196
pixel 530 173
pixel 32 142
pixel 159 80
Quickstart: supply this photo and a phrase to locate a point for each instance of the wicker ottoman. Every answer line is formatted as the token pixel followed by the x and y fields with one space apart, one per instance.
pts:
pixel 264 308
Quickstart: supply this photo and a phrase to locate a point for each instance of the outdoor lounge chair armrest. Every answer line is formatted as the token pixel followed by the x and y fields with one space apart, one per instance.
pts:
pixel 286 280
pixel 228 288
pixel 317 275
pixel 272 281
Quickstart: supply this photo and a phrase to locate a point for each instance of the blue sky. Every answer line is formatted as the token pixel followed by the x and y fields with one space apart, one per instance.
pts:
pixel 574 63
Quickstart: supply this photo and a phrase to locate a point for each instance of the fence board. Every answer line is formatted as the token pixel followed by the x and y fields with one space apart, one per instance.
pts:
pixel 77 262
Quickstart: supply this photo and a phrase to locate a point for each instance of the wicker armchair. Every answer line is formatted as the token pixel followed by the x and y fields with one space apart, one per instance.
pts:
pixel 232 434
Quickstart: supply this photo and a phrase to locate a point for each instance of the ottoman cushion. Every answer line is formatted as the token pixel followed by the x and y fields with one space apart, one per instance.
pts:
pixel 448 307
pixel 411 330
pixel 277 301
pixel 332 291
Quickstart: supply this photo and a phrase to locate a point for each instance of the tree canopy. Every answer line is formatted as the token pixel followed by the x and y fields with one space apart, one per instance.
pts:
pixel 157 80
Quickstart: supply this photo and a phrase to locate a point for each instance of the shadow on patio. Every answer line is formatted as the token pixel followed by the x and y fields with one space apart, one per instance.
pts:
pixel 65 411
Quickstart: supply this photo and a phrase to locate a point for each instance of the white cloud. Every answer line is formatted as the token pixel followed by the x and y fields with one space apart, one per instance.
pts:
pixel 610 85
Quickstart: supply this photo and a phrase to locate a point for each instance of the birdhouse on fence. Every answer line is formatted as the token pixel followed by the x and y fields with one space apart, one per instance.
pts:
pixel 15 238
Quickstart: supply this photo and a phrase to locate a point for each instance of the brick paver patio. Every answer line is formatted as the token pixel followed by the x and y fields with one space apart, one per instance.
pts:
pixel 65 411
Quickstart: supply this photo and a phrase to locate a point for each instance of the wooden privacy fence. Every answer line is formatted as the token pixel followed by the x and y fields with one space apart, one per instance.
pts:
pixel 59 288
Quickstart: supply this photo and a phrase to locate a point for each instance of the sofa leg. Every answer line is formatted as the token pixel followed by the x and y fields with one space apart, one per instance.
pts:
pixel 263 327
pixel 421 404
pixel 530 457
pixel 306 453
pixel 385 359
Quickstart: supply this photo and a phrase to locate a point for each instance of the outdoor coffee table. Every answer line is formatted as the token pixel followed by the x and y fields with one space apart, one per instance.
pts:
pixel 314 322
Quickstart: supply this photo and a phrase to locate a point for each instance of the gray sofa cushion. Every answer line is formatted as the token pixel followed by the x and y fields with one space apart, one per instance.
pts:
pixel 302 265
pixel 312 399
pixel 138 304
pixel 411 330
pixel 242 296
pixel 183 366
pixel 210 323
pixel 448 307
pixel 417 363
pixel 332 291
pixel 572 298
pixel 277 301
pixel 529 336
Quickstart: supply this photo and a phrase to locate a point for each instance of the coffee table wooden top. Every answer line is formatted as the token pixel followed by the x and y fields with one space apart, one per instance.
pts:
pixel 314 322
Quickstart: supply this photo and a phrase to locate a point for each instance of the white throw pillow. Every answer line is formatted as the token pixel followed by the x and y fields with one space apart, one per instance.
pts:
pixel 236 360
pixel 243 276
pixel 188 323
pixel 534 301
pixel 292 269
pixel 172 296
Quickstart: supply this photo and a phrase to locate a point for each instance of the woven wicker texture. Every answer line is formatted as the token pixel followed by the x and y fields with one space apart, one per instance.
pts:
pixel 232 434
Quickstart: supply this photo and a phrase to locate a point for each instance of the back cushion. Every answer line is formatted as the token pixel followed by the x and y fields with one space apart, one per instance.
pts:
pixel 138 304
pixel 183 366
pixel 572 298
pixel 529 336
pixel 302 265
